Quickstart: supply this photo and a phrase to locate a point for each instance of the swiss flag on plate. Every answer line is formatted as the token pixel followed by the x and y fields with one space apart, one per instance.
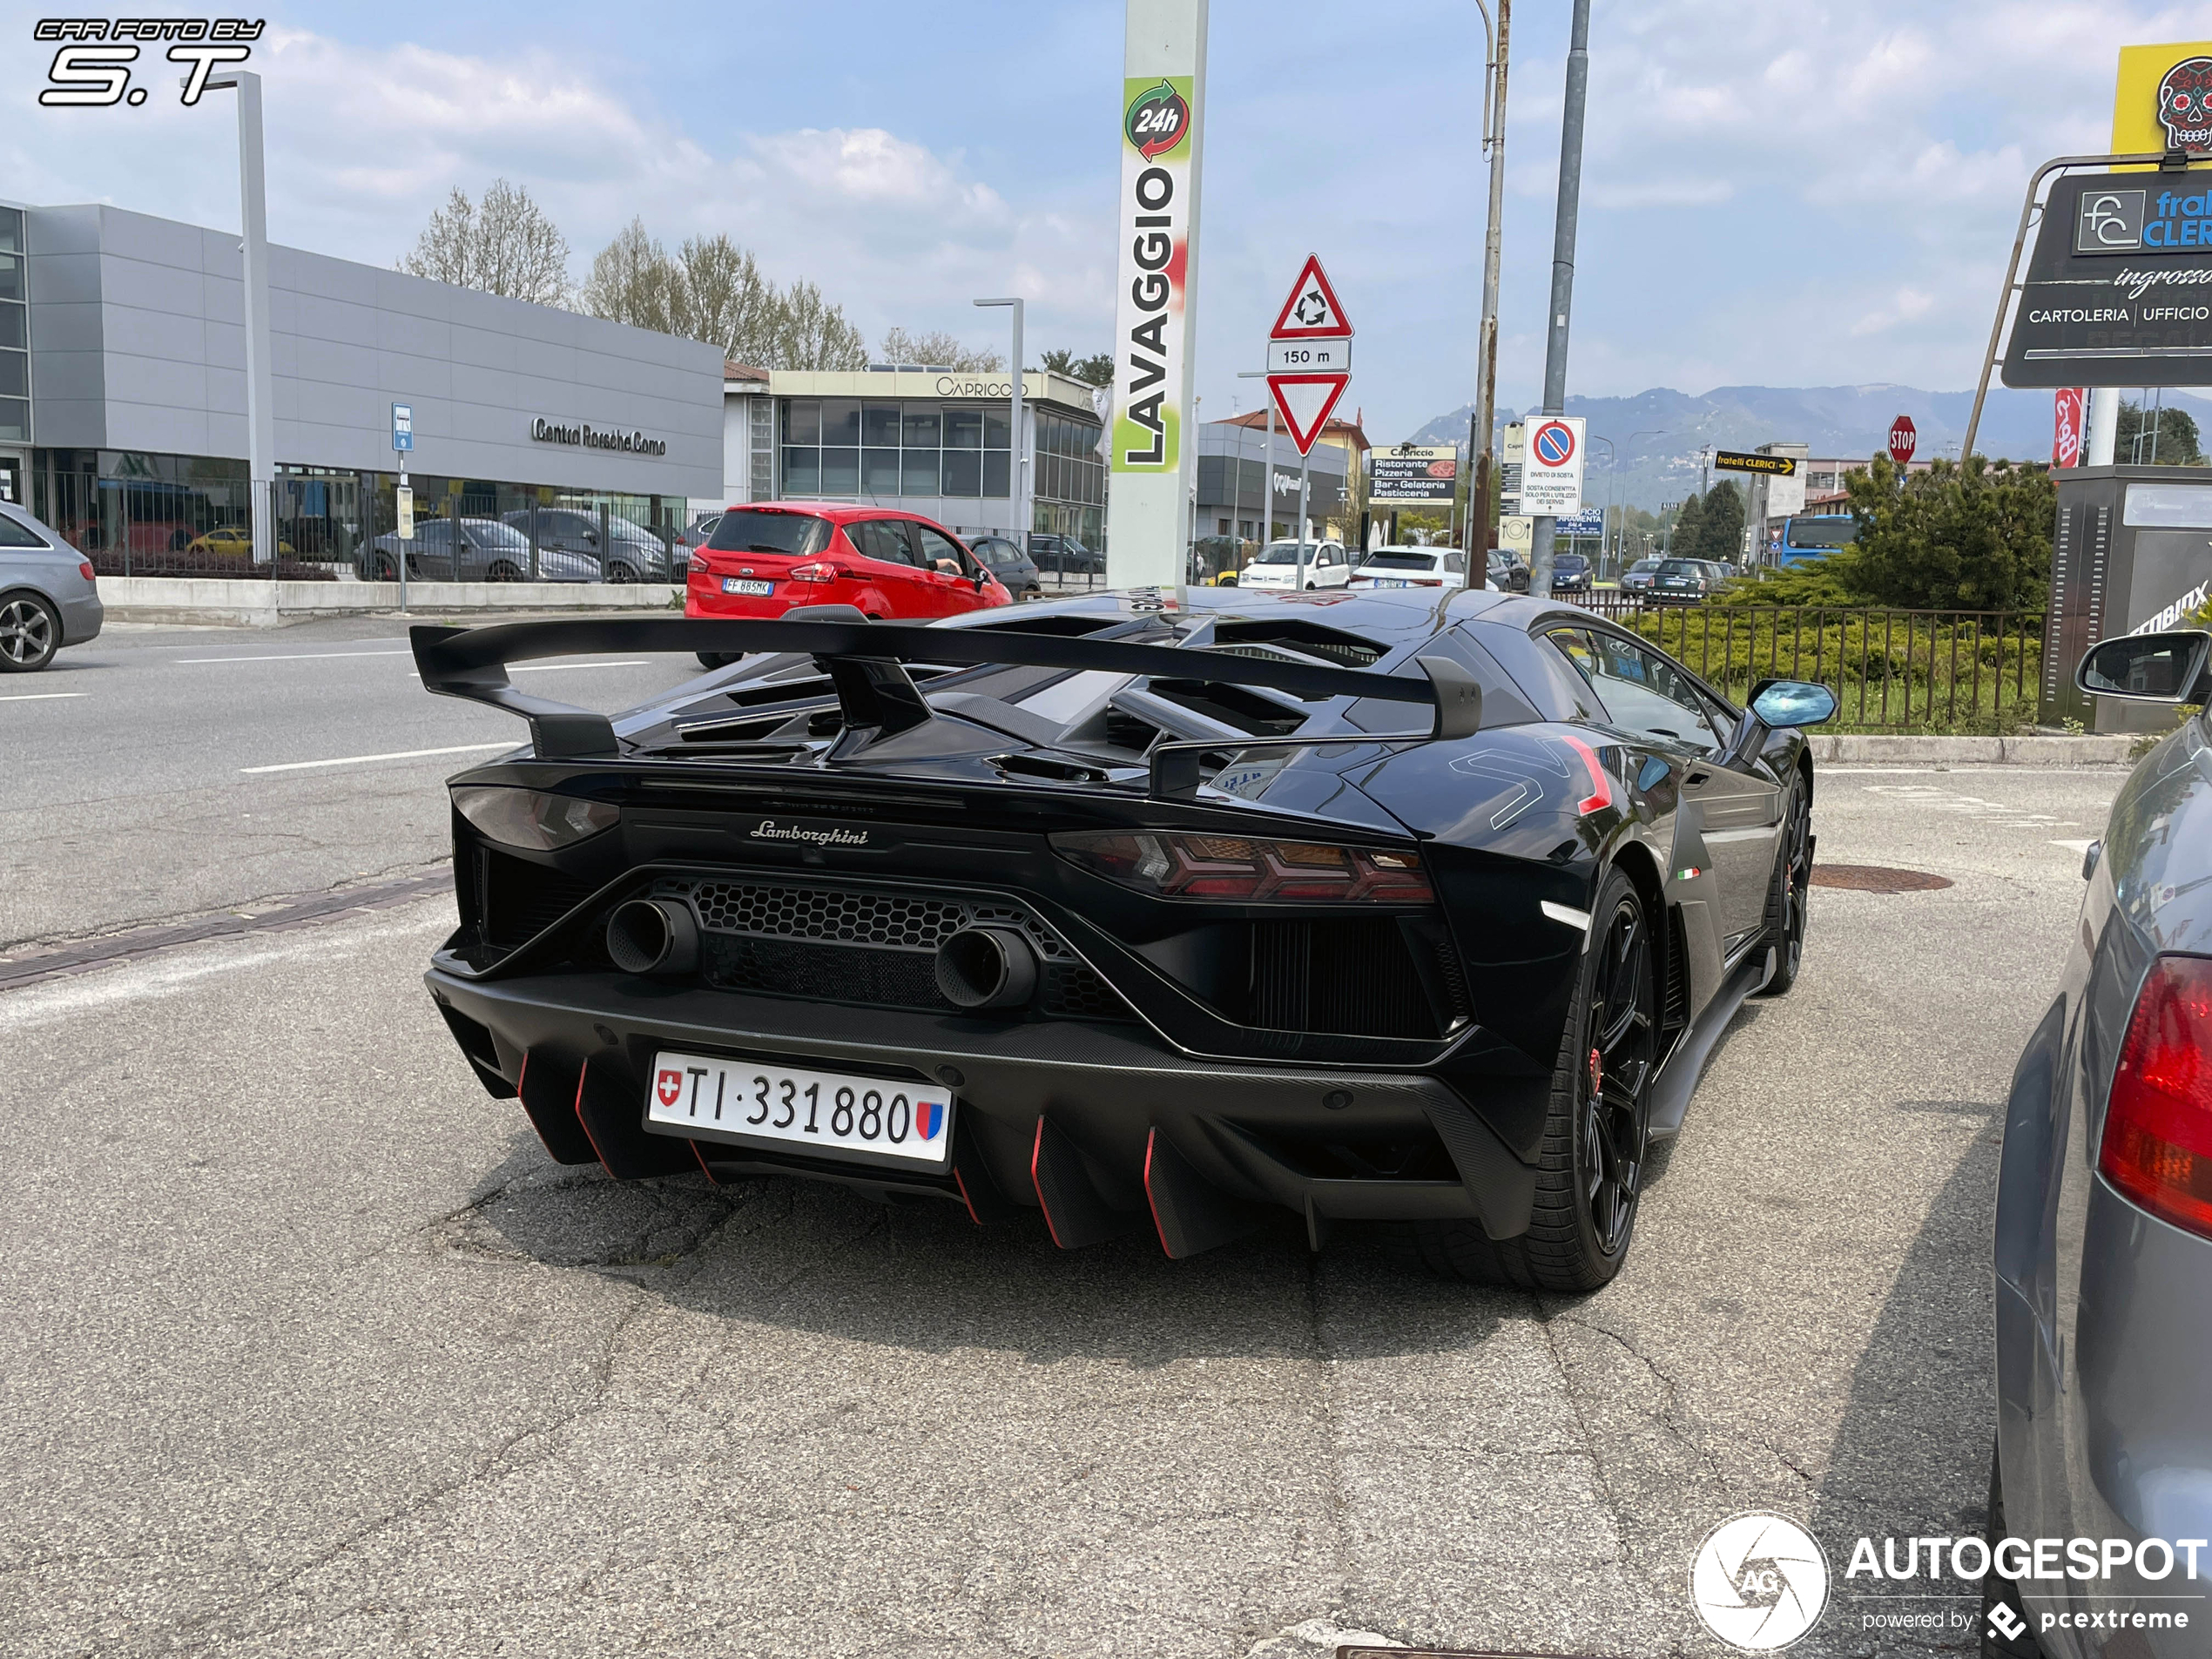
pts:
pixel 669 1085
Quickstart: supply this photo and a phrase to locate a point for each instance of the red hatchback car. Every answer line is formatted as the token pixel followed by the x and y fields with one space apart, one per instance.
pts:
pixel 765 559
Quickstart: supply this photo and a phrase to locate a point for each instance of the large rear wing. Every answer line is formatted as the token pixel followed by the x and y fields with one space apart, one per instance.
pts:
pixel 866 663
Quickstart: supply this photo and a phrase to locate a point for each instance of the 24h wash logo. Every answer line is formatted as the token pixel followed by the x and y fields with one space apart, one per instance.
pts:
pixel 94 72
pixel 1157 122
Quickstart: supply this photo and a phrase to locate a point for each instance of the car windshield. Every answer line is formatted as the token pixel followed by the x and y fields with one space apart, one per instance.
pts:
pixel 1392 558
pixel 1680 567
pixel 760 531
pixel 489 532
pixel 1286 553
pixel 1570 562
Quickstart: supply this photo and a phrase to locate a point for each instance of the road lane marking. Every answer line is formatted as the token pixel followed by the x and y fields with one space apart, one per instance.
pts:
pixel 297 657
pixel 2081 849
pixel 39 696
pixel 396 754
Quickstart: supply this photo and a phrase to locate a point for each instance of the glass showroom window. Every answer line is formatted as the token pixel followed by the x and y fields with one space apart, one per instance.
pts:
pixel 15 332
pixel 884 451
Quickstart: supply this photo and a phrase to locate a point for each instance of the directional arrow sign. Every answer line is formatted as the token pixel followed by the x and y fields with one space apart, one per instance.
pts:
pixel 1303 402
pixel 1312 312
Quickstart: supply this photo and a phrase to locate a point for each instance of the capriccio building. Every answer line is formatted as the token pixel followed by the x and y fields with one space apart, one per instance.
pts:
pixel 931 441
pixel 122 417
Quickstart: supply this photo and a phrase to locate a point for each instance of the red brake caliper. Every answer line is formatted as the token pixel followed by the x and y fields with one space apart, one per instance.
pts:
pixel 1597 1076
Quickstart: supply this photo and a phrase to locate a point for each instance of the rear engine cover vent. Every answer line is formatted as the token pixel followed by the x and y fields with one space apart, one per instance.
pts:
pixel 1307 637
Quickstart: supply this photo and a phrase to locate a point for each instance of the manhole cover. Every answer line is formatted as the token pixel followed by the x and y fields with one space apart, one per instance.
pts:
pixel 1876 878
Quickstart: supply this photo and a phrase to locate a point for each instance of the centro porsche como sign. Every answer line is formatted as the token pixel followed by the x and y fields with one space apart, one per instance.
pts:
pixel 1148 449
pixel 587 436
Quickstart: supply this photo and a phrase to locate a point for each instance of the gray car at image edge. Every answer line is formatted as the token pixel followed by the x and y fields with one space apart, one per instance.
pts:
pixel 48 597
pixel 2103 1235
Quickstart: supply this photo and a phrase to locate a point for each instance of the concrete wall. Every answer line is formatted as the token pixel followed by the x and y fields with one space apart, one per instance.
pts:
pixel 138 342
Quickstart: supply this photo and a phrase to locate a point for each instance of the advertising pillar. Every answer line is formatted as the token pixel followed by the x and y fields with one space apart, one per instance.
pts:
pixel 1151 445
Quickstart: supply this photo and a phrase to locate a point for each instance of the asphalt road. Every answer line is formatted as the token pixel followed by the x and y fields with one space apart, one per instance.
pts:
pixel 307 1348
pixel 161 772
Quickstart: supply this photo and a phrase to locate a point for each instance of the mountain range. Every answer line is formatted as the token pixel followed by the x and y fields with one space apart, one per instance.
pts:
pixel 1657 435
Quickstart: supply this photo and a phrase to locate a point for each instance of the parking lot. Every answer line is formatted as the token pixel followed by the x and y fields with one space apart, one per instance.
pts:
pixel 309 1348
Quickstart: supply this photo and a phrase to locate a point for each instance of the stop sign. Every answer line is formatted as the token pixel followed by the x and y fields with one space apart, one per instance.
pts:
pixel 1903 436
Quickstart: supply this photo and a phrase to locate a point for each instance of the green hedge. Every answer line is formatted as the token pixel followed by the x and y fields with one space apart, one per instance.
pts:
pixel 1895 671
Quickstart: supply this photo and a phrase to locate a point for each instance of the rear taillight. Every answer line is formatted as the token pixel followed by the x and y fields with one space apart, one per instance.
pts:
pixel 2158 1126
pixel 698 564
pixel 823 571
pixel 1225 866
pixel 85 569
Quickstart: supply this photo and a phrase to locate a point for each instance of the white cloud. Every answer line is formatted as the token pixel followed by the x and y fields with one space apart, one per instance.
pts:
pixel 363 143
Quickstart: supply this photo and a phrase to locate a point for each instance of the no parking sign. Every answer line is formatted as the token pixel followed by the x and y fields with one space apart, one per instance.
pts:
pixel 1551 478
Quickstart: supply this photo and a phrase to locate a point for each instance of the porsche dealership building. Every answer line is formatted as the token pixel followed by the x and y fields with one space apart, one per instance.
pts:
pixel 123 418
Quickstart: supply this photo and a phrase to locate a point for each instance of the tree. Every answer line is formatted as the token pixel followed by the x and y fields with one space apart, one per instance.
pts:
pixel 714 290
pixel 2169 438
pixel 1720 525
pixel 938 349
pixel 1682 541
pixel 1091 371
pixel 811 334
pixel 505 244
pixel 634 281
pixel 1971 537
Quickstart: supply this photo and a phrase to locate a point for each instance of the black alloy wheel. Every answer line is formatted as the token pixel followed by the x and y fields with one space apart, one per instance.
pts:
pixel 1597 1131
pixel 1789 894
pixel 385 570
pixel 1615 1117
pixel 621 572
pixel 503 570
pixel 30 632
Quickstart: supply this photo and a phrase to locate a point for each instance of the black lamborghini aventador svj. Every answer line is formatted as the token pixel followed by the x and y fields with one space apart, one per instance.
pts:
pixel 1144 910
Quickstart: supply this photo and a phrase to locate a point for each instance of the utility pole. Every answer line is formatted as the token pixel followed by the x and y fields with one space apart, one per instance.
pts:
pixel 260 401
pixel 1484 420
pixel 1020 470
pixel 1570 202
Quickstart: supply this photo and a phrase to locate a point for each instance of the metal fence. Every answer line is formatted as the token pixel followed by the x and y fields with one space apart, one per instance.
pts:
pixel 337 528
pixel 1892 669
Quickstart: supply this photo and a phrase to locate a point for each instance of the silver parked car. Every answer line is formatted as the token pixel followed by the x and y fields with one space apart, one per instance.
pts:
pixel 48 595
pixel 2103 1233
pixel 488 551
pixel 632 553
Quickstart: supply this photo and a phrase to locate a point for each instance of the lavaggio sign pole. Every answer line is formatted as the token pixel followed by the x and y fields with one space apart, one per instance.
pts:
pixel 1150 442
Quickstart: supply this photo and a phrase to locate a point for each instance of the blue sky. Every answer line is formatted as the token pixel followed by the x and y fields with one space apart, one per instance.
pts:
pixel 1788 194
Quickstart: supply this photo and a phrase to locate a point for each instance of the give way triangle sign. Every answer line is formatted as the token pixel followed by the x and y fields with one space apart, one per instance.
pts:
pixel 1304 403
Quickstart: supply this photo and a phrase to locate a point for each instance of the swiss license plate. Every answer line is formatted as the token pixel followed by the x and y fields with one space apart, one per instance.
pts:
pixel 746 584
pixel 788 1106
pixel 1388 581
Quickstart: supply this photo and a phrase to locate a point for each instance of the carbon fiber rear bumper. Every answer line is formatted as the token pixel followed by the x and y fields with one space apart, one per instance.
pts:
pixel 1099 1124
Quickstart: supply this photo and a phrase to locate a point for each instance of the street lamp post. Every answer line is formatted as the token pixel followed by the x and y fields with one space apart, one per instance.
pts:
pixel 260 404
pixel 1484 419
pixel 1611 482
pixel 1643 432
pixel 1267 490
pixel 1018 484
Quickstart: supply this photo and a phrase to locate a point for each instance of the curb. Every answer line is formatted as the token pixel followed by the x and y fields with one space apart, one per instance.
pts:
pixel 241 603
pixel 1838 748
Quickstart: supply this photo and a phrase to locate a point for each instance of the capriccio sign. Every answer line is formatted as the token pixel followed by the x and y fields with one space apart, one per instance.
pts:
pixel 592 437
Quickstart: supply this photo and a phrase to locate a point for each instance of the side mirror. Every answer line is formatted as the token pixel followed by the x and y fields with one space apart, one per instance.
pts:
pixel 2150 668
pixel 1787 702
